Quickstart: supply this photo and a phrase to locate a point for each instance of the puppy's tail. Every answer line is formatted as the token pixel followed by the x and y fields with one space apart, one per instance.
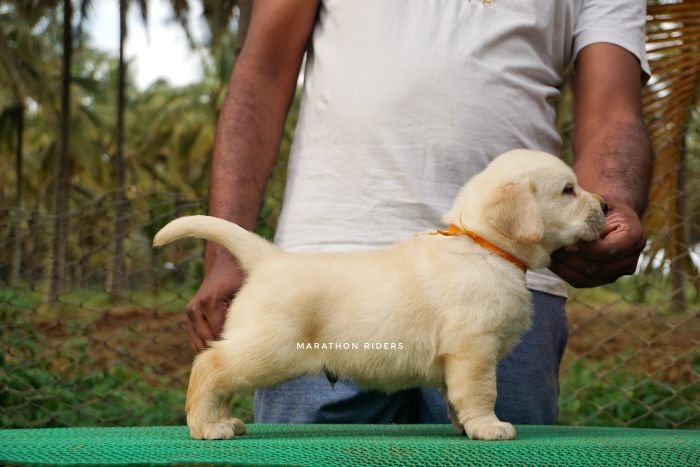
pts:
pixel 247 247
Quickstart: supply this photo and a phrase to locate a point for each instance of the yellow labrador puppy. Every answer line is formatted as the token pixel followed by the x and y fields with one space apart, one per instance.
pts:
pixel 443 307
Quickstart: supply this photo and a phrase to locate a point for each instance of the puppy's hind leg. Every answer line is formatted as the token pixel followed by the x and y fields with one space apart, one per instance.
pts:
pixel 471 390
pixel 236 363
pixel 212 384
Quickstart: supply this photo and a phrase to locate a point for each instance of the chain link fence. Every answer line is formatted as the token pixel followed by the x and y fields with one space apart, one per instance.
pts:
pixel 93 358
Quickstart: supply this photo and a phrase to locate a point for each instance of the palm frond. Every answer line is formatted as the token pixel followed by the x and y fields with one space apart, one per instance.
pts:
pixel 673 48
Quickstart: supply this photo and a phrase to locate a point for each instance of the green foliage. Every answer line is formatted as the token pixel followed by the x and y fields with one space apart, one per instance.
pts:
pixel 603 393
pixel 37 394
pixel 652 290
pixel 50 383
pixel 38 397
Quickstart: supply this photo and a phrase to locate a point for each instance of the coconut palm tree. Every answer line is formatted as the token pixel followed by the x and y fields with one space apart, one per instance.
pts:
pixel 180 10
pixel 172 130
pixel 20 50
pixel 118 269
pixel 63 166
pixel 60 230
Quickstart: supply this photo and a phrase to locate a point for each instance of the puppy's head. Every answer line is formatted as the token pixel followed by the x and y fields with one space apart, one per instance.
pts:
pixel 530 199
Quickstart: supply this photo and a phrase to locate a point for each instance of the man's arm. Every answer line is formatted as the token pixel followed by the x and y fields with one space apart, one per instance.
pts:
pixel 248 135
pixel 612 157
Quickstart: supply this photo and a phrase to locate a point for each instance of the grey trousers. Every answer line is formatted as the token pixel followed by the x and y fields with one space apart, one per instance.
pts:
pixel 528 386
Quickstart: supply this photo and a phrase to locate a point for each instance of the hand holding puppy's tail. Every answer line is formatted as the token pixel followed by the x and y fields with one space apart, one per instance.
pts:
pixel 247 247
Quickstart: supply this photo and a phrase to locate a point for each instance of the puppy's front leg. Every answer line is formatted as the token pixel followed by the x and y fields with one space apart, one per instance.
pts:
pixel 471 389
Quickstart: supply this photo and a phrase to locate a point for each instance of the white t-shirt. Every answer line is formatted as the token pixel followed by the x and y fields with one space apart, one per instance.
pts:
pixel 405 100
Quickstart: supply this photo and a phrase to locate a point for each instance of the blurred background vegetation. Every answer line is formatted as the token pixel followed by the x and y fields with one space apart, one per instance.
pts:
pixel 92 321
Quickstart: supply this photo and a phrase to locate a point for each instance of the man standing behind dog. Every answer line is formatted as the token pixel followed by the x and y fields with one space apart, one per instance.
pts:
pixel 403 102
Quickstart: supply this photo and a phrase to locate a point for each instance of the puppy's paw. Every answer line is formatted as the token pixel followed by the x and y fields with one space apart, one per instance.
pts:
pixel 489 428
pixel 223 429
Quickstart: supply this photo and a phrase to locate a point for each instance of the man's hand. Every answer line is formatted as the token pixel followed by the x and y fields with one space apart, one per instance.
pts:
pixel 206 311
pixel 614 255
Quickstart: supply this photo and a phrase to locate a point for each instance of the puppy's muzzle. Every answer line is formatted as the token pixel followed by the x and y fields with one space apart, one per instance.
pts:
pixel 595 222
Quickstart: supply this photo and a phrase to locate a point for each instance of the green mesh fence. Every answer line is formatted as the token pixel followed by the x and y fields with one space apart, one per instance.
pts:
pixel 351 445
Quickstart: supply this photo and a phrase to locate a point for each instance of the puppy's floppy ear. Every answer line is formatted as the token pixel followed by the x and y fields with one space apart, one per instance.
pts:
pixel 513 211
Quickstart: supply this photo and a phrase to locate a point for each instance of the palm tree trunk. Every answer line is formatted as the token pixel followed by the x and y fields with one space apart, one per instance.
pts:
pixel 118 269
pixel 60 234
pixel 680 235
pixel 16 271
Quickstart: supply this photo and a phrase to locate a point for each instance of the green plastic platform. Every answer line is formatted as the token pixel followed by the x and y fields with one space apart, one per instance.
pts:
pixel 350 445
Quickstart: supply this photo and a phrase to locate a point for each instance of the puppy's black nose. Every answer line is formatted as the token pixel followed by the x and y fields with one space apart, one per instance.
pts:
pixel 604 206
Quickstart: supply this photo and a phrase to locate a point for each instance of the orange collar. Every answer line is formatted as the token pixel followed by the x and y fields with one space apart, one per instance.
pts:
pixel 455 231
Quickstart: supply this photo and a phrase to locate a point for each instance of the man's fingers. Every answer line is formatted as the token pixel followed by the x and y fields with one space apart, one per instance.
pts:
pixel 619 240
pixel 582 272
pixel 591 268
pixel 574 277
pixel 217 314
pixel 206 319
pixel 206 311
pixel 604 251
pixel 196 342
pixel 200 330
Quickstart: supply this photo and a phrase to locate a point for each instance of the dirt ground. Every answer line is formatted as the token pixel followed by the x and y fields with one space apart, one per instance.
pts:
pixel 151 342
pixel 155 343
pixel 664 346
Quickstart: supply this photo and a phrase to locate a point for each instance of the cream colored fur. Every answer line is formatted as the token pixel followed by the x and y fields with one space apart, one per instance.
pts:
pixel 455 307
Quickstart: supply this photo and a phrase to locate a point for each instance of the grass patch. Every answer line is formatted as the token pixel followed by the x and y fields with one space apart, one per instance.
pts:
pixel 75 380
pixel 603 393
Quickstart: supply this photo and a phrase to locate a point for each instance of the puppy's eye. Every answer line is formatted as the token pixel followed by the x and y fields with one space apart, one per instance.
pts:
pixel 568 189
